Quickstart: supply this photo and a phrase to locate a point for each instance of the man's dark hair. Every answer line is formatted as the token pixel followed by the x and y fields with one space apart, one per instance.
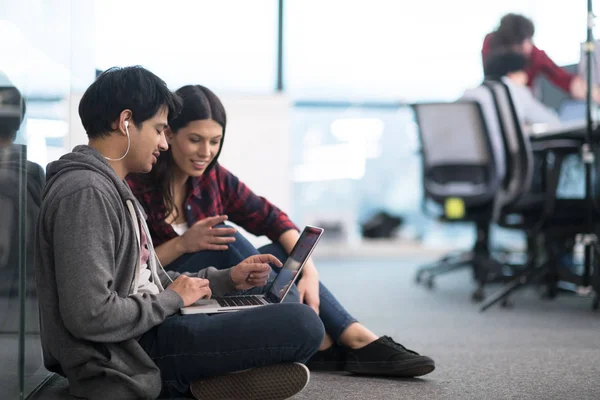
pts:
pixel 117 89
pixel 503 63
pixel 514 29
pixel 12 112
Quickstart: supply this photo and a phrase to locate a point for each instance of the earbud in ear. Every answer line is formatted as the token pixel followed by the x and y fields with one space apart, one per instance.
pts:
pixel 126 124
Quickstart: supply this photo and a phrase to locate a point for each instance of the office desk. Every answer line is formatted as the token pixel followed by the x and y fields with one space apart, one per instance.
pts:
pixel 574 130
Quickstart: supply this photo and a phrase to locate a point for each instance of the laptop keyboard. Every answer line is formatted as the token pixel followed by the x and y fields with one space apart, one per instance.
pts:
pixel 239 301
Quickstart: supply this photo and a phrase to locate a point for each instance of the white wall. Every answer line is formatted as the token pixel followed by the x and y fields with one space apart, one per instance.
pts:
pixel 257 146
pixel 77 134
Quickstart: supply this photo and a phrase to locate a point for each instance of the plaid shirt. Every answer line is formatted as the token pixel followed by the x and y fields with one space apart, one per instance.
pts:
pixel 539 64
pixel 217 192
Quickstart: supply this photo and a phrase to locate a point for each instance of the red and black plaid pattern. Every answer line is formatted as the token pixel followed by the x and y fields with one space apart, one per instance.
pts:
pixel 217 192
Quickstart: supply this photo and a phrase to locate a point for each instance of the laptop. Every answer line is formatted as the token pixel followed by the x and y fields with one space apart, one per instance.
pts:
pixel 274 291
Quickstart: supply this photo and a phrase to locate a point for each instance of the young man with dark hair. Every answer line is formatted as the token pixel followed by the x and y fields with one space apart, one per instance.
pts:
pixel 109 312
pixel 509 68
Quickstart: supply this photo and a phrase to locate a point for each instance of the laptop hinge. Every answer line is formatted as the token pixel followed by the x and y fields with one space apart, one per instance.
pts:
pixel 271 297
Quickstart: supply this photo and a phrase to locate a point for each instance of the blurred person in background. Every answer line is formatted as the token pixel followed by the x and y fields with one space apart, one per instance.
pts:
pixel 509 67
pixel 515 34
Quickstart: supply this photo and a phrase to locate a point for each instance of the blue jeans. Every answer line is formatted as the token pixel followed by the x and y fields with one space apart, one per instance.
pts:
pixel 334 316
pixel 189 347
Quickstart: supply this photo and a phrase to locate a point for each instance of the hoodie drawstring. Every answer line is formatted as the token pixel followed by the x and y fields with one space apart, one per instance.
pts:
pixel 151 260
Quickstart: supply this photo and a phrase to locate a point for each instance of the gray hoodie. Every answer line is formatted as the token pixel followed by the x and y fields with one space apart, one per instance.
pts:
pixel 85 272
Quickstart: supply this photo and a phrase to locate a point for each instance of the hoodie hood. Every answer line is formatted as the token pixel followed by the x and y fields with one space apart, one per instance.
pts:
pixel 85 158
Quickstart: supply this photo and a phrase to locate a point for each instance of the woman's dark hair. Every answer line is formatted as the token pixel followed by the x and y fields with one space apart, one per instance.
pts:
pixel 514 29
pixel 118 89
pixel 503 63
pixel 199 103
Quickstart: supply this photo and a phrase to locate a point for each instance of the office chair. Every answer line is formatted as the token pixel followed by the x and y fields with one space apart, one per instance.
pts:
pixel 512 205
pixel 459 162
pixel 538 212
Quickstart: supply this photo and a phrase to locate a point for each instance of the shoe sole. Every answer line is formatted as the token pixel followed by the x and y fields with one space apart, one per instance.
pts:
pixel 403 369
pixel 273 382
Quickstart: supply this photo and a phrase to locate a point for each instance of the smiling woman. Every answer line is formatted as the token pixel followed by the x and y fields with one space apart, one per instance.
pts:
pixel 196 145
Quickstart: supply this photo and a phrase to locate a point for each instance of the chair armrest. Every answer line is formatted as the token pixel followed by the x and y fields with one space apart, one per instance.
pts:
pixel 566 145
pixel 552 177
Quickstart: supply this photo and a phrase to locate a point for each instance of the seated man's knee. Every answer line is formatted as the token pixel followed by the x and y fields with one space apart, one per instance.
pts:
pixel 304 324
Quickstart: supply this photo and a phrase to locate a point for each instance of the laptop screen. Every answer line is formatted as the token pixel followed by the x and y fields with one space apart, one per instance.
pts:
pixel 294 263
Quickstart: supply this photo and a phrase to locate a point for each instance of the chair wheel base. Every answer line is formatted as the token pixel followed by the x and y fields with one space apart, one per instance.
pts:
pixel 506 303
pixel 429 283
pixel 418 278
pixel 549 293
pixel 478 295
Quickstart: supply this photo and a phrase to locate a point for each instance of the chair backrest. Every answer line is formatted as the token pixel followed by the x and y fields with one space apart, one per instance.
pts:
pixel 484 97
pixel 457 156
pixel 519 156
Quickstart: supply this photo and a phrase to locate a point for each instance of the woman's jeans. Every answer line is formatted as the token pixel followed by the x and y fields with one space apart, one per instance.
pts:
pixel 190 347
pixel 335 318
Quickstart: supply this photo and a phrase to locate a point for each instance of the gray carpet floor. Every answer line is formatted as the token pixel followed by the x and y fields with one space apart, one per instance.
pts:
pixel 537 350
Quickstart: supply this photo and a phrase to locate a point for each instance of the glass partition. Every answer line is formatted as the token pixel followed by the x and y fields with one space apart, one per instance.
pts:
pixel 45 63
pixel 14 257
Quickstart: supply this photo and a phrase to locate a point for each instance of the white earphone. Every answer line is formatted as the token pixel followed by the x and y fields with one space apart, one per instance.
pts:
pixel 126 123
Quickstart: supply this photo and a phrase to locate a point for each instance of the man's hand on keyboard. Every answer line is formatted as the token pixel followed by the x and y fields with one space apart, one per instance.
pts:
pixel 191 289
pixel 253 271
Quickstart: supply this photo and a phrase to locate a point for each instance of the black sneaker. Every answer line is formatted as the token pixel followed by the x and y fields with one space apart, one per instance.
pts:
pixel 331 359
pixel 273 382
pixel 387 358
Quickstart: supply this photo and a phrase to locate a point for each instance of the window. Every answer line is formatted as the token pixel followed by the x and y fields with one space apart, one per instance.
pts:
pixel 381 49
pixel 226 45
